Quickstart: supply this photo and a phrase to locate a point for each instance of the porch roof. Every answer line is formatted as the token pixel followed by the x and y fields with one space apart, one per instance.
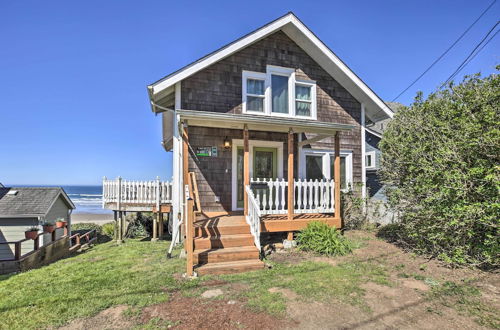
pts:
pixel 260 123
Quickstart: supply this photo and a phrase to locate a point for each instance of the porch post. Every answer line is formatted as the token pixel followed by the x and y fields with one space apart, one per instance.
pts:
pixel 336 176
pixel 185 169
pixel 291 190
pixel 246 168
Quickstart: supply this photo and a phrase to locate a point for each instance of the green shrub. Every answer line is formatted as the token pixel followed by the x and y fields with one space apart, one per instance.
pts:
pixel 86 226
pixel 108 229
pixel 440 160
pixel 140 224
pixel 320 238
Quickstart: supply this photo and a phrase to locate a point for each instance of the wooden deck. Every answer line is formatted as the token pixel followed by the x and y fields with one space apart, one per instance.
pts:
pixel 270 222
pixel 279 222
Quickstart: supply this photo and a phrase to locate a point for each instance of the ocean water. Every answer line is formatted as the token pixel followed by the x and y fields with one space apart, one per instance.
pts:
pixel 87 199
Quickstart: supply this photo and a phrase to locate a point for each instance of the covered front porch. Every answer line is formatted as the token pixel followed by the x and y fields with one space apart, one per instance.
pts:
pixel 263 172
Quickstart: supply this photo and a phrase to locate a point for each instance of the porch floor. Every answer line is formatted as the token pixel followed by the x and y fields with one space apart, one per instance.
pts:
pixel 269 222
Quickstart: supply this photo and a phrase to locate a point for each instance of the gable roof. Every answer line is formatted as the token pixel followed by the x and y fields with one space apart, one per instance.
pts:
pixel 30 201
pixel 375 107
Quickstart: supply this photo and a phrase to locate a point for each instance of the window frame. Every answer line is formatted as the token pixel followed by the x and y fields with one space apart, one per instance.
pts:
pixel 292 82
pixel 255 76
pixel 326 155
pixel 312 85
pixel 371 154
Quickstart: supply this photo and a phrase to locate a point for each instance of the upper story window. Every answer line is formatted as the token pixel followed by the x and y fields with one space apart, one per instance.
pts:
pixel 278 93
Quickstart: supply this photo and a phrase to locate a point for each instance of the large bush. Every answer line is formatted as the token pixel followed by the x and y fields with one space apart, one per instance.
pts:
pixel 441 160
pixel 321 238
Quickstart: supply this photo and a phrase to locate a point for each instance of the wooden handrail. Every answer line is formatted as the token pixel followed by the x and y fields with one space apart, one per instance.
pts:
pixel 36 244
pixel 194 192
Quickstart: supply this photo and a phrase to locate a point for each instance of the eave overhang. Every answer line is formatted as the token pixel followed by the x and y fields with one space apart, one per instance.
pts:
pixel 260 123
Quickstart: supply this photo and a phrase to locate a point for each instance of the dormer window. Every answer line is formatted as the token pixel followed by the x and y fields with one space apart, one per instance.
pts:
pixel 278 93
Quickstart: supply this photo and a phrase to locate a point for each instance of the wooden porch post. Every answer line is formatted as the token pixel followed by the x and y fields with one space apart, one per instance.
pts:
pixel 336 176
pixel 246 168
pixel 291 190
pixel 189 237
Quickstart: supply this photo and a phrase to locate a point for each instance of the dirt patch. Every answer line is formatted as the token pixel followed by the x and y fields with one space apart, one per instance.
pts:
pixel 414 284
pixel 111 318
pixel 193 313
pixel 404 304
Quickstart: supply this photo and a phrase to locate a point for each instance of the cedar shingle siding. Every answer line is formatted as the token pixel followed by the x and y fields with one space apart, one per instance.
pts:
pixel 218 89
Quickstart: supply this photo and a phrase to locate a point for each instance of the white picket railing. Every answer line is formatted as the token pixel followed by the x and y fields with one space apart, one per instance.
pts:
pixel 314 196
pixel 253 217
pixel 311 196
pixel 136 192
pixel 271 198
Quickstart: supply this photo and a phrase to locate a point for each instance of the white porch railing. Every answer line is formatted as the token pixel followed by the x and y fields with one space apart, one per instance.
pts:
pixel 154 192
pixel 311 196
pixel 253 217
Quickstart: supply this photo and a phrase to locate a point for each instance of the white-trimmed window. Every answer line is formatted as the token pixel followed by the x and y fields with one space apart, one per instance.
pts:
pixel 370 160
pixel 278 93
pixel 319 164
pixel 305 99
pixel 254 92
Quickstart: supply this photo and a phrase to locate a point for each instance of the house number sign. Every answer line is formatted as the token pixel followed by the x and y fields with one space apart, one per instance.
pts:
pixel 206 151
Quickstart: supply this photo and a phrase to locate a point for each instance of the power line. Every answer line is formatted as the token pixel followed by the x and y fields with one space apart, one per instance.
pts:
pixel 446 51
pixel 472 54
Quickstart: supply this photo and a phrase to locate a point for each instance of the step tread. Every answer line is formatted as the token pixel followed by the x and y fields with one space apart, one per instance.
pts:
pixel 232 264
pixel 225 237
pixel 227 250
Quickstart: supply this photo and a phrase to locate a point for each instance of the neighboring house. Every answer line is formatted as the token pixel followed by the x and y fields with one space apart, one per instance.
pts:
pixel 22 207
pixel 275 110
pixel 377 210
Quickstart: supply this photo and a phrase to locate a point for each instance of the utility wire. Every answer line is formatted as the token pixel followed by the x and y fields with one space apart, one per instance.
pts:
pixel 472 54
pixel 446 51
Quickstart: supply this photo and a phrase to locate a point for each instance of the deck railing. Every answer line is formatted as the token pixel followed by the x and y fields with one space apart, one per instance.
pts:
pixel 253 217
pixel 153 192
pixel 17 250
pixel 311 196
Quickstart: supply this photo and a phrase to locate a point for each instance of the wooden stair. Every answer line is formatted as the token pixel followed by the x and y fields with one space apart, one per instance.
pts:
pixel 224 245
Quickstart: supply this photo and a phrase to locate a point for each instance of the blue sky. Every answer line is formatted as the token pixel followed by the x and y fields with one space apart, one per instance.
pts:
pixel 73 74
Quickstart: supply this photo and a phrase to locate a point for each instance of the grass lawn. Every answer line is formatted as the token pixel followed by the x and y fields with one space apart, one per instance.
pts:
pixel 135 273
pixel 348 289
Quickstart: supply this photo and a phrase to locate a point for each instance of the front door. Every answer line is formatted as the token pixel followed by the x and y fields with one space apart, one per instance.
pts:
pixel 264 166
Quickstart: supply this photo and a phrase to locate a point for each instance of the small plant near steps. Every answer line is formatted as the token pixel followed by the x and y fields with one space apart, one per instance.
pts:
pixel 224 246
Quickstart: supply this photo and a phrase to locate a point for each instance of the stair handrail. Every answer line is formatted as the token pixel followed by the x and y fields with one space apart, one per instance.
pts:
pixel 253 216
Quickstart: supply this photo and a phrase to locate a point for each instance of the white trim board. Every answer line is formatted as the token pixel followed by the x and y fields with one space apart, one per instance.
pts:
pixel 326 154
pixel 312 45
pixel 252 143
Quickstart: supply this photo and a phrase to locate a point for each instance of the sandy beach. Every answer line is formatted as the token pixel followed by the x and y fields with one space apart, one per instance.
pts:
pixel 89 217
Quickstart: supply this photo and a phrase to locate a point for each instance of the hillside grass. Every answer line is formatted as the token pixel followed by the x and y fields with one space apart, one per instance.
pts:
pixel 136 273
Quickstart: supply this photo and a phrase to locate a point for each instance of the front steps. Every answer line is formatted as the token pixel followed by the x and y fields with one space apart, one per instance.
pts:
pixel 224 245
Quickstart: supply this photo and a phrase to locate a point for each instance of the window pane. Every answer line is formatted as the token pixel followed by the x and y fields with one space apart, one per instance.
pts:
pixel 314 167
pixel 303 92
pixel 343 178
pixel 368 160
pixel 255 86
pixel 279 86
pixel 302 108
pixel 255 103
